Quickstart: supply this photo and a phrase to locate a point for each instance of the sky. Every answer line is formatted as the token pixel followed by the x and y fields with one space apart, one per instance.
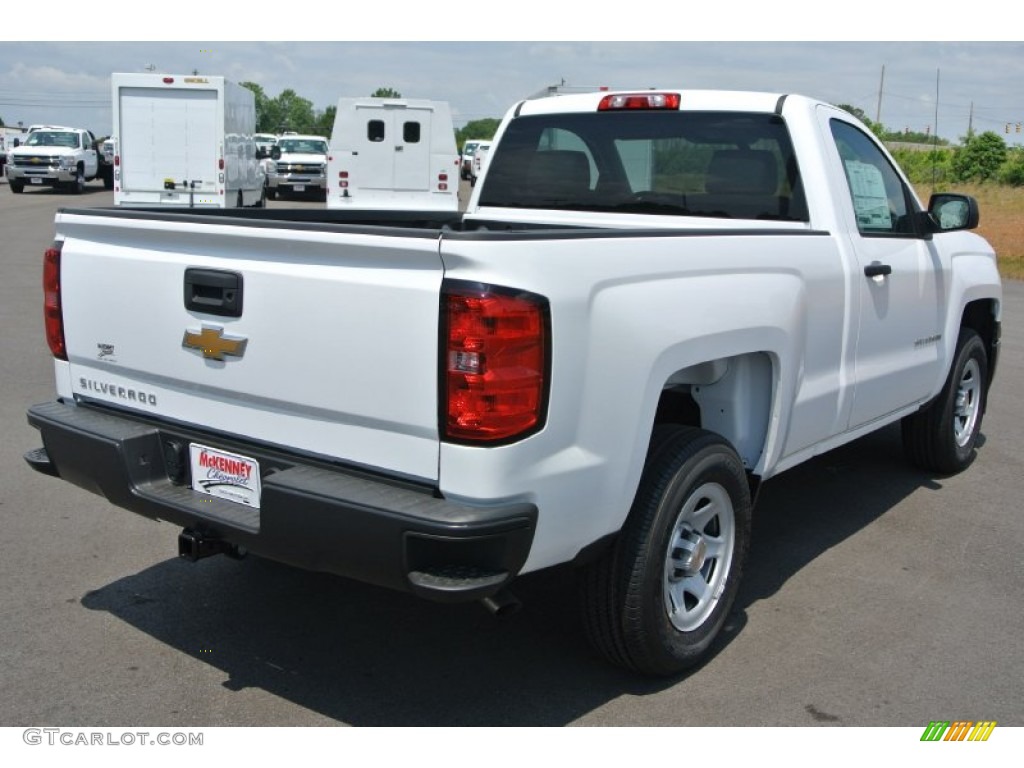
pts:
pixel 975 82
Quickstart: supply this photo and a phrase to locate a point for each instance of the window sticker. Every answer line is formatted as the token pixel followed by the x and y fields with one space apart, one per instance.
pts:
pixel 870 203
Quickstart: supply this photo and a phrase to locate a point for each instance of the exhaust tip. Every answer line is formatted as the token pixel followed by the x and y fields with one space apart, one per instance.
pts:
pixel 502 604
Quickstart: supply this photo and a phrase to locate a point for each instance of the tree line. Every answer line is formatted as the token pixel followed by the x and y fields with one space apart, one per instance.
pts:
pixel 980 158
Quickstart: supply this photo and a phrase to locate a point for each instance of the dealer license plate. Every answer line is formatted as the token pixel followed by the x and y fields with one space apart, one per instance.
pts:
pixel 225 475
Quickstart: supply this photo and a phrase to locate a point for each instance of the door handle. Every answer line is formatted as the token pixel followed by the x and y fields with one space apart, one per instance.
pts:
pixel 877 270
pixel 213 291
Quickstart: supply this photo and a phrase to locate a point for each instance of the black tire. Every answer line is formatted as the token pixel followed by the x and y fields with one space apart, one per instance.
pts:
pixel 942 437
pixel 17 187
pixel 107 172
pixel 77 185
pixel 261 202
pixel 639 612
pixel 271 193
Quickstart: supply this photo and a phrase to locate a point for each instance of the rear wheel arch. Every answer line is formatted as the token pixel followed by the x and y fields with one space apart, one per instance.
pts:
pixel 732 397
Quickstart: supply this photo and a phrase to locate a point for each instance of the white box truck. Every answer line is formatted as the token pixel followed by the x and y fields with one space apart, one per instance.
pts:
pixel 393 154
pixel 184 141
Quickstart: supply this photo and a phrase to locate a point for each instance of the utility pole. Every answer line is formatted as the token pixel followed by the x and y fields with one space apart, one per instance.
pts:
pixel 881 85
pixel 970 121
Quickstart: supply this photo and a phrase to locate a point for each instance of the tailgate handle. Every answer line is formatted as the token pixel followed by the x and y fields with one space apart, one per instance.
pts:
pixel 213 291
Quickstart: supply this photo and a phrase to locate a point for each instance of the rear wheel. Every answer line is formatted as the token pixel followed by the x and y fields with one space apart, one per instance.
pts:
pixel 656 602
pixel 943 436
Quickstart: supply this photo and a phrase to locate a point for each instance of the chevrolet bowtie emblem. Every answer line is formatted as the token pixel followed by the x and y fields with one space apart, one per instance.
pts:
pixel 214 344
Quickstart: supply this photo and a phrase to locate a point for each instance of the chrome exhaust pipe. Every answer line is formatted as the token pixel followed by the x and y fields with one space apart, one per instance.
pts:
pixel 502 603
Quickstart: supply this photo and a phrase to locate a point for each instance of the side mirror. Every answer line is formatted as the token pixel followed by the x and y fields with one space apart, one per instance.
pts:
pixel 275 153
pixel 17 142
pixel 951 212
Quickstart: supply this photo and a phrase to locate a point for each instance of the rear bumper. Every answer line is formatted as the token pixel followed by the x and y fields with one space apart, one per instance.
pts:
pixel 312 515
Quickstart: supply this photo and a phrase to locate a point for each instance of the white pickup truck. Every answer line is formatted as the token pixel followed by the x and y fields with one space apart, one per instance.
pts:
pixel 654 302
pixel 54 156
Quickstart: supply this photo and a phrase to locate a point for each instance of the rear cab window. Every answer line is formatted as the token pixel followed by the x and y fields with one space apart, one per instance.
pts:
pixel 714 164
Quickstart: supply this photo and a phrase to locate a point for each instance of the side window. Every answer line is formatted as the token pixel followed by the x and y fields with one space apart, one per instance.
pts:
pixel 411 133
pixel 375 130
pixel 880 201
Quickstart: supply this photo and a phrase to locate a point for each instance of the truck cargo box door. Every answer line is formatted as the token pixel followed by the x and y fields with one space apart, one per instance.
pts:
pixel 395 151
pixel 168 135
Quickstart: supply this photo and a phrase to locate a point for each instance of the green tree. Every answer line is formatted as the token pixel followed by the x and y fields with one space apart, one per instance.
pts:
pixel 291 112
pixel 979 158
pixel 1012 172
pixel 386 93
pixel 262 121
pixel 876 128
pixel 325 121
pixel 477 129
pixel 928 167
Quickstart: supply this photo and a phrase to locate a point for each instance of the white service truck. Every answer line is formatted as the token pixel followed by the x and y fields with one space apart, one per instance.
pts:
pixel 184 141
pixel 655 302
pixel 393 154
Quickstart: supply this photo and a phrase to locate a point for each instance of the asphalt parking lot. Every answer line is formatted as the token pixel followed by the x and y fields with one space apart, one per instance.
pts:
pixel 875 595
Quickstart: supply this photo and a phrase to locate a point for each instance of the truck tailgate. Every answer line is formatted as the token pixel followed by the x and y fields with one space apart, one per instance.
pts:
pixel 340 331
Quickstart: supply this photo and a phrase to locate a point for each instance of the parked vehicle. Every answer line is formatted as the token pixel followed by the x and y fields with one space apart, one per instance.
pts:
pixel 298 165
pixel 184 141
pixel 479 161
pixel 466 158
pixel 394 154
pixel 655 302
pixel 264 143
pixel 55 157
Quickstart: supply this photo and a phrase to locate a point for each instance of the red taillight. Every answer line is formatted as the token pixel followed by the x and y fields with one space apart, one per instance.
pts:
pixel 53 315
pixel 117 160
pixel 494 361
pixel 220 164
pixel 614 101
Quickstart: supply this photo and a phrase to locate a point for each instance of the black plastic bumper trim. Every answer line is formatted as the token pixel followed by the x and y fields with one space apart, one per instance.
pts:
pixel 370 529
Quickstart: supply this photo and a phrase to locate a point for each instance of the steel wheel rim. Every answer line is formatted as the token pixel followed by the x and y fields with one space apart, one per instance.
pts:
pixel 699 556
pixel 967 405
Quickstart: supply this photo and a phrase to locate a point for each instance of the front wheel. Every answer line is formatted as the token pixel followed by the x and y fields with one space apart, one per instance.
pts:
pixel 656 602
pixel 942 437
pixel 77 185
pixel 17 187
